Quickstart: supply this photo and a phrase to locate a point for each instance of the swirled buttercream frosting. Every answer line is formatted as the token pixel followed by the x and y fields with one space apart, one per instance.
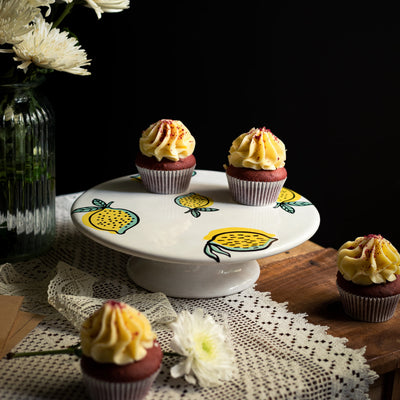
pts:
pixel 116 333
pixel 368 260
pixel 167 138
pixel 257 149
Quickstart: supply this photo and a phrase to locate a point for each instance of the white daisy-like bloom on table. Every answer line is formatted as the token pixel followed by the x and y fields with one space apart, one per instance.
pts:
pixel 107 6
pixel 209 359
pixel 15 17
pixel 51 49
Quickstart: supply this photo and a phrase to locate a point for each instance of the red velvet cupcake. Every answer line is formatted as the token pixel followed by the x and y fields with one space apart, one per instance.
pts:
pixel 121 357
pixel 256 172
pixel 165 162
pixel 368 278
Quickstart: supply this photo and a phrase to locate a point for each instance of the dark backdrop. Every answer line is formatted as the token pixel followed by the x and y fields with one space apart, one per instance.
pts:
pixel 324 78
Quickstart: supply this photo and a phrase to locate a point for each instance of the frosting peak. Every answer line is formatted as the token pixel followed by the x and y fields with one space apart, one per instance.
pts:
pixel 369 259
pixel 257 149
pixel 116 333
pixel 167 138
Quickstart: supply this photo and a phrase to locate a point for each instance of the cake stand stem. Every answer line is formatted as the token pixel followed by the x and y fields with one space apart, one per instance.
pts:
pixel 193 280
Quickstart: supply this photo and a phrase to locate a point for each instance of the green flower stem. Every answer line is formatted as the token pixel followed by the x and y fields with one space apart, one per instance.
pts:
pixel 66 11
pixel 171 354
pixel 72 350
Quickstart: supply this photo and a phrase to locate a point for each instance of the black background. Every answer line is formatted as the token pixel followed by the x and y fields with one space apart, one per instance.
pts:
pixel 325 78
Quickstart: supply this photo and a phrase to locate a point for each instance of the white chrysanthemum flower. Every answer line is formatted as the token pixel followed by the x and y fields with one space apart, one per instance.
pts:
pixel 15 17
pixel 209 358
pixel 42 3
pixel 108 6
pixel 52 49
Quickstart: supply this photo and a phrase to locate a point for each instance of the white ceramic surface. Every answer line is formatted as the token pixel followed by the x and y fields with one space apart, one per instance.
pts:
pixel 172 231
pixel 191 280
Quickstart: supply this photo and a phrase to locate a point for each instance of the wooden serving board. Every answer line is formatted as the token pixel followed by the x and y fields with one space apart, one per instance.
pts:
pixel 305 277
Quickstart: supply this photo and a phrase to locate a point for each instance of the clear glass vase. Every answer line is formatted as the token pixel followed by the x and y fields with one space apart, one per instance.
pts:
pixel 27 172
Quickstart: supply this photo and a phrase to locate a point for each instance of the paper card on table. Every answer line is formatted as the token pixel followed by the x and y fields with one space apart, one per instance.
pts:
pixel 9 308
pixel 24 323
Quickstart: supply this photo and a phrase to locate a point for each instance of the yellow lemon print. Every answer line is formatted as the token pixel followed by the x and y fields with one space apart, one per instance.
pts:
pixel 288 199
pixel 195 203
pixel 105 218
pixel 136 178
pixel 288 195
pixel 222 241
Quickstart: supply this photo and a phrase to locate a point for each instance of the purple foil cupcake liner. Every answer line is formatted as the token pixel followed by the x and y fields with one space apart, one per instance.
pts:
pixel 103 390
pixel 254 193
pixel 166 182
pixel 368 309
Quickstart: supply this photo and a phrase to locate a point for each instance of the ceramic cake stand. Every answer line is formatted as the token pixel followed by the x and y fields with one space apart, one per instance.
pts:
pixel 195 244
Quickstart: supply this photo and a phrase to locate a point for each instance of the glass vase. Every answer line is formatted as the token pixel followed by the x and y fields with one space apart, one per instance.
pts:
pixel 27 172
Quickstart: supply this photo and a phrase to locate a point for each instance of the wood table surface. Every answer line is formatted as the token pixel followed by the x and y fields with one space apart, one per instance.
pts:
pixel 305 277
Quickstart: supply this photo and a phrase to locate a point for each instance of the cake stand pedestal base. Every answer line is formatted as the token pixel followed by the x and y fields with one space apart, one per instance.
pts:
pixel 193 280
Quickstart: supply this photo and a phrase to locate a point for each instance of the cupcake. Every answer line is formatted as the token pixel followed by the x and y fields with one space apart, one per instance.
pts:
pixel 368 278
pixel 166 161
pixel 256 171
pixel 120 355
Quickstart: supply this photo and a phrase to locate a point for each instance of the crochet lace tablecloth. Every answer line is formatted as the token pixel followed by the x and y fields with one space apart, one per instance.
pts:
pixel 279 355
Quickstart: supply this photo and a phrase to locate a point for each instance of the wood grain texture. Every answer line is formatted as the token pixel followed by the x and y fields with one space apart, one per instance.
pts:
pixel 307 282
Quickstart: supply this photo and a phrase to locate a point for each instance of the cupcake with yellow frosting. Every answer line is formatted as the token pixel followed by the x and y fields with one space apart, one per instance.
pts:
pixel 120 354
pixel 166 161
pixel 256 171
pixel 368 278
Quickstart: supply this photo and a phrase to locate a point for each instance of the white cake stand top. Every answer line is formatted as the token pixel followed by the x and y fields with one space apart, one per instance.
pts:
pixel 202 226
